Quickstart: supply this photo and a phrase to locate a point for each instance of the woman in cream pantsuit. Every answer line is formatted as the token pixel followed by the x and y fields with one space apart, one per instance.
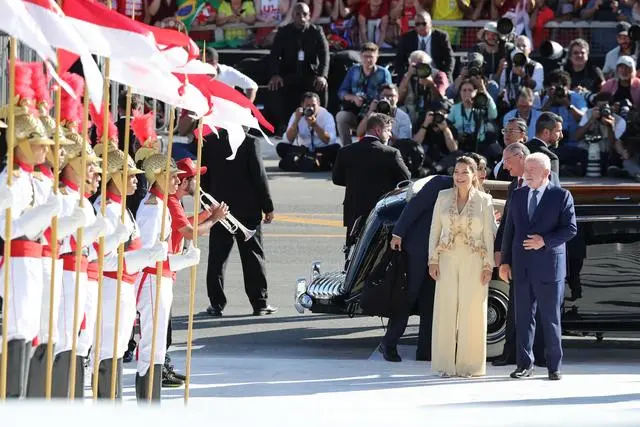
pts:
pixel 461 263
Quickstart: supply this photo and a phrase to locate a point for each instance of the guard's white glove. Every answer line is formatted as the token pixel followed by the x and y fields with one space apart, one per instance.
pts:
pixel 6 197
pixel 188 259
pixel 120 235
pixel 35 220
pixel 135 261
pixel 96 230
pixel 67 225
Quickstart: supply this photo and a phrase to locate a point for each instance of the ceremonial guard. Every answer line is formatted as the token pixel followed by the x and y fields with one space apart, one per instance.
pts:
pixel 135 259
pixel 149 218
pixel 31 212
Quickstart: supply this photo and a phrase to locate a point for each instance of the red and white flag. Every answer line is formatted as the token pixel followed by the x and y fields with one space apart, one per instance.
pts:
pixel 59 33
pixel 16 21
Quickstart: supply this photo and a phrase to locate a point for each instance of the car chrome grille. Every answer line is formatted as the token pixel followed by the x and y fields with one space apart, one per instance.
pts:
pixel 327 286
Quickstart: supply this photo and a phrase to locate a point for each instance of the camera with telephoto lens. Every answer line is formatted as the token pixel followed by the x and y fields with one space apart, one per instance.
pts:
pixel 560 92
pixel 438 117
pixel 480 101
pixel 384 107
pixel 519 59
pixel 423 70
pixel 475 71
pixel 605 111
pixel 308 111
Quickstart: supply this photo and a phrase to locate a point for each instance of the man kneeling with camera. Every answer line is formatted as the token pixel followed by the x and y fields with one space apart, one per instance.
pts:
pixel 311 134
pixel 388 105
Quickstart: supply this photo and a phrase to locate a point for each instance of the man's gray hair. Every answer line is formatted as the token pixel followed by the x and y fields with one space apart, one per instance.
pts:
pixel 522 125
pixel 420 56
pixel 517 149
pixel 540 158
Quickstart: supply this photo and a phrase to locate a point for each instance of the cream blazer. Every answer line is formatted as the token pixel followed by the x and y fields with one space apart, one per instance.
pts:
pixel 475 226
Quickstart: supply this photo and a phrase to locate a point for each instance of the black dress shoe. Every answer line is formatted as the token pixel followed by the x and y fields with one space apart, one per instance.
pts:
pixel 522 373
pixel 423 357
pixel 503 361
pixel 265 310
pixel 214 311
pixel 555 376
pixel 390 354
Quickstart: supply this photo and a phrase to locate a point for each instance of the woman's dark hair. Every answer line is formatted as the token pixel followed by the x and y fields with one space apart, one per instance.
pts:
pixel 471 163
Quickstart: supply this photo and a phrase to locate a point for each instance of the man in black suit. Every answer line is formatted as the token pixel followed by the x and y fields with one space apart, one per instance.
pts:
pixel 434 42
pixel 242 184
pixel 411 234
pixel 515 130
pixel 368 169
pixel 513 158
pixel 548 134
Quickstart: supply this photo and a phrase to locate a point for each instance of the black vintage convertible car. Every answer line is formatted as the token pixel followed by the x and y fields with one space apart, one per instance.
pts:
pixel 603 282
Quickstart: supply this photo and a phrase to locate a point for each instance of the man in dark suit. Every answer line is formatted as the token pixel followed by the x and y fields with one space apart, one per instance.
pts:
pixel 515 130
pixel 548 134
pixel 513 160
pixel 242 184
pixel 541 219
pixel 434 42
pixel 368 169
pixel 411 234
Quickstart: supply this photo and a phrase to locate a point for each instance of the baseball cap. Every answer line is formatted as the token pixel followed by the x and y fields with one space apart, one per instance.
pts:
pixel 623 28
pixel 187 168
pixel 626 60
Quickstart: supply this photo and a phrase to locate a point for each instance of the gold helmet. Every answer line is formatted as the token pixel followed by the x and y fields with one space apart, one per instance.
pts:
pixel 116 159
pixel 73 154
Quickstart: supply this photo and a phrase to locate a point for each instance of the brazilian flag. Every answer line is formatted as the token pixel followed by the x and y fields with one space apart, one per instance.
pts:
pixel 188 10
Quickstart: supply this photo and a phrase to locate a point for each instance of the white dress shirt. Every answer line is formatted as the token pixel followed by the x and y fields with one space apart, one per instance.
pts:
pixel 427 42
pixel 310 140
pixel 234 78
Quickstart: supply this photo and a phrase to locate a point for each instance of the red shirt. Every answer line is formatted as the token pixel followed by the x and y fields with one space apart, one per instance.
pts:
pixel 540 33
pixel 179 220
pixel 365 10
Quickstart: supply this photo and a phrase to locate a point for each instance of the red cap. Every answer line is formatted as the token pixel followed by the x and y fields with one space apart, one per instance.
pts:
pixel 188 168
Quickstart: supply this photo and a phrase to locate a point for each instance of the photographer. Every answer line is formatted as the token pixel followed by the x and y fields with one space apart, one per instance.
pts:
pixel 361 85
pixel 438 138
pixel 564 102
pixel 312 138
pixel 388 105
pixel 625 47
pixel 492 49
pixel 602 127
pixel 625 85
pixel 520 72
pixel 421 85
pixel 471 117
pixel 472 66
pixel 524 110
pixel 585 77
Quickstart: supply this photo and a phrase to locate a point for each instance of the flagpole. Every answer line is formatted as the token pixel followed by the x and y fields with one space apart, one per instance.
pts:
pixel 163 226
pixel 11 129
pixel 103 206
pixel 123 213
pixel 79 239
pixel 54 245
pixel 194 269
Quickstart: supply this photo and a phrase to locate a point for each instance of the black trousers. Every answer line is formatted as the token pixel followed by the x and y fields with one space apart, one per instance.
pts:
pixel 326 155
pixel 251 256
pixel 423 297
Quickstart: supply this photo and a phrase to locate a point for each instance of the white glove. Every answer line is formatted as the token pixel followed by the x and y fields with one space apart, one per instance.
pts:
pixel 120 235
pixel 188 259
pixel 146 257
pixel 67 225
pixel 34 221
pixel 95 230
pixel 6 197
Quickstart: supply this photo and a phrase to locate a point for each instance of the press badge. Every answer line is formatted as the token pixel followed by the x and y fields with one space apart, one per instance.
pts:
pixel 301 55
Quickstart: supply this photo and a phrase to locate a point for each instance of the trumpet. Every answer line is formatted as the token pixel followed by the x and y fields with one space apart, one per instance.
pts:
pixel 229 222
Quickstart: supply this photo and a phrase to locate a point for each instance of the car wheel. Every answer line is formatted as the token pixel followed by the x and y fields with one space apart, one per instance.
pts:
pixel 497 317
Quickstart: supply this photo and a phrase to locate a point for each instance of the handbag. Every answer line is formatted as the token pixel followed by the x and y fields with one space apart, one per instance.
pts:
pixel 386 289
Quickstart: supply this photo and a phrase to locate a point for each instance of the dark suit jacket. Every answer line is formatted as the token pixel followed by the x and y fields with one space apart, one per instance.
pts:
pixel 502 175
pixel 242 182
pixel 512 186
pixel 538 146
pixel 414 226
pixel 554 220
pixel 286 46
pixel 368 169
pixel 441 52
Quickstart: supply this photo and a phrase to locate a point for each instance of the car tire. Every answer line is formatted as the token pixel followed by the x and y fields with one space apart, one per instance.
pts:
pixel 498 302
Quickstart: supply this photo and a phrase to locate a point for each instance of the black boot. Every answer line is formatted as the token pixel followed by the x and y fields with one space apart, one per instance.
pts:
pixel 60 378
pixel 104 379
pixel 16 366
pixel 142 385
pixel 37 372
pixel 79 392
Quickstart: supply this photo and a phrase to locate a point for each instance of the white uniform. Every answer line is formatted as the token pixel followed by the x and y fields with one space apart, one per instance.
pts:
pixel 109 285
pixel 26 276
pixel 149 218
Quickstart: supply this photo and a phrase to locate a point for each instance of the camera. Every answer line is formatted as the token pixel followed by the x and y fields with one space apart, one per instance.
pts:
pixel 591 138
pixel 605 111
pixel 519 59
pixel 480 102
pixel 505 26
pixel 438 117
pixel 308 111
pixel 560 91
pixel 423 70
pixel 384 107
pixel 475 71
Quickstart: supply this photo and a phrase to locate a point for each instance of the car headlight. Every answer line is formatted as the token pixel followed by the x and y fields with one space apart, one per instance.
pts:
pixel 301 289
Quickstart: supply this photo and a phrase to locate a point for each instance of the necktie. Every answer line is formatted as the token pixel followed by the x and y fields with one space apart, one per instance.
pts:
pixel 519 182
pixel 533 203
pixel 423 45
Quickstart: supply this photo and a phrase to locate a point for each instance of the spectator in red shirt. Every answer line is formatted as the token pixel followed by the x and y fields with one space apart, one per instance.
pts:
pixel 373 10
pixel 540 15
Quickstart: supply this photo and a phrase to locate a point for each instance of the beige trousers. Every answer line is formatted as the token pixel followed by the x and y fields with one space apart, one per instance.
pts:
pixel 459 341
